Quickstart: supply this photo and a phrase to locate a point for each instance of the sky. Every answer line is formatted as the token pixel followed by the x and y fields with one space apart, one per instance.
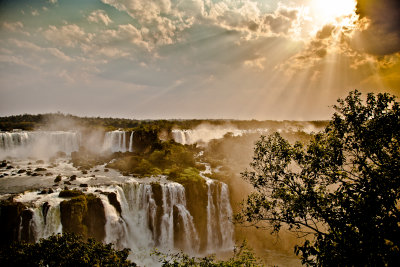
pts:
pixel 184 59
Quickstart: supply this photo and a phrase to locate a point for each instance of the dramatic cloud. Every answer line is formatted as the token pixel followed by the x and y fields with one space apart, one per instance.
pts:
pixel 99 16
pixel 195 58
pixel 381 35
pixel 160 23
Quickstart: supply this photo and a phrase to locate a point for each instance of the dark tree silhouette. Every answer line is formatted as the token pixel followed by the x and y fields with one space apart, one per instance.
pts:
pixel 64 250
pixel 341 191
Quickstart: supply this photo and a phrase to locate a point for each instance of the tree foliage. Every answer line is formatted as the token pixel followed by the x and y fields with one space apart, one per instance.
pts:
pixel 64 250
pixel 341 190
pixel 242 256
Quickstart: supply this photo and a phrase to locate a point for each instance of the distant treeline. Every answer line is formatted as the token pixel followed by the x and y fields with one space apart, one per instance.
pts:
pixel 60 121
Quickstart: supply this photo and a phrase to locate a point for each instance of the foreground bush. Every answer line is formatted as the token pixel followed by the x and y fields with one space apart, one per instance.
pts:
pixel 242 256
pixel 64 250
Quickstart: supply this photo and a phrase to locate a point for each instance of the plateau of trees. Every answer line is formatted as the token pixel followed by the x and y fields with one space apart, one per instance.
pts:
pixel 340 192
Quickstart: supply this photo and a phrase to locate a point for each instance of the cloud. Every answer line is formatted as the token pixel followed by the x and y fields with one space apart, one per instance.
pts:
pixel 257 63
pixel 13 26
pixel 28 46
pixel 282 20
pixel 98 16
pixel 67 35
pixel 160 21
pixel 17 60
pixel 381 36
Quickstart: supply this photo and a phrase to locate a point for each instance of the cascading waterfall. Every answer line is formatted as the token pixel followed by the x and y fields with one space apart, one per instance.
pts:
pixel 44 143
pixel 11 140
pixel 189 137
pixel 46 221
pixel 147 215
pixel 219 212
pixel 174 196
pixel 115 141
pixel 131 142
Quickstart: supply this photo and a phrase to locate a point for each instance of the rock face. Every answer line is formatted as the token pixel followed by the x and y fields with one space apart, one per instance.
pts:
pixel 27 231
pixel 84 215
pixel 112 198
pixel 10 220
pixel 196 197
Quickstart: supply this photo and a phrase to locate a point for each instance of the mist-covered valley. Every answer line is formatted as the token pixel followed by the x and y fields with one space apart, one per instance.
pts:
pixel 171 185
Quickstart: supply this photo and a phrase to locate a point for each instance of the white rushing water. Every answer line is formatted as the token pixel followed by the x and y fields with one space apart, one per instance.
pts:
pixel 115 141
pixel 144 224
pixel 131 142
pixel 38 143
pixel 220 230
pixel 205 135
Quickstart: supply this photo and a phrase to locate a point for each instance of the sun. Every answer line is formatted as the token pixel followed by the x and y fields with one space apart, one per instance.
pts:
pixel 328 11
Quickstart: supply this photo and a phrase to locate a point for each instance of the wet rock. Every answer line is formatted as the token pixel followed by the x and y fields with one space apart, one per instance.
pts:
pixel 10 220
pixel 58 179
pixel 45 210
pixel 3 164
pixel 96 170
pixel 40 161
pixel 9 167
pixel 105 170
pixel 40 169
pixel 84 172
pixel 27 229
pixel 28 173
pixel 83 185
pixel 72 177
pixel 70 193
pixel 50 191
pixel 49 174
pixel 21 171
pixel 67 182
pixel 84 215
pixel 43 192
pixel 5 174
pixel 112 198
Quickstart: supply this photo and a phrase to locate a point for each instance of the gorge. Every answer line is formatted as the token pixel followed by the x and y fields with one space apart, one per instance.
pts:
pixel 140 188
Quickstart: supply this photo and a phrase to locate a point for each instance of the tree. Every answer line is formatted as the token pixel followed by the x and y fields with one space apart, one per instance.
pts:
pixel 341 191
pixel 242 256
pixel 64 250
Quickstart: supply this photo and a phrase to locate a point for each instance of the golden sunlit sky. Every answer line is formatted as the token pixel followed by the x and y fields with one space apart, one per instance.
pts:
pixel 195 58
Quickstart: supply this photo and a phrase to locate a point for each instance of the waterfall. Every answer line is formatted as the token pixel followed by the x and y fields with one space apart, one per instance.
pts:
pixel 173 195
pixel 115 141
pixel 205 135
pixel 145 216
pixel 47 222
pixel 131 142
pixel 220 230
pixel 225 217
pixel 38 143
pixel 137 225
